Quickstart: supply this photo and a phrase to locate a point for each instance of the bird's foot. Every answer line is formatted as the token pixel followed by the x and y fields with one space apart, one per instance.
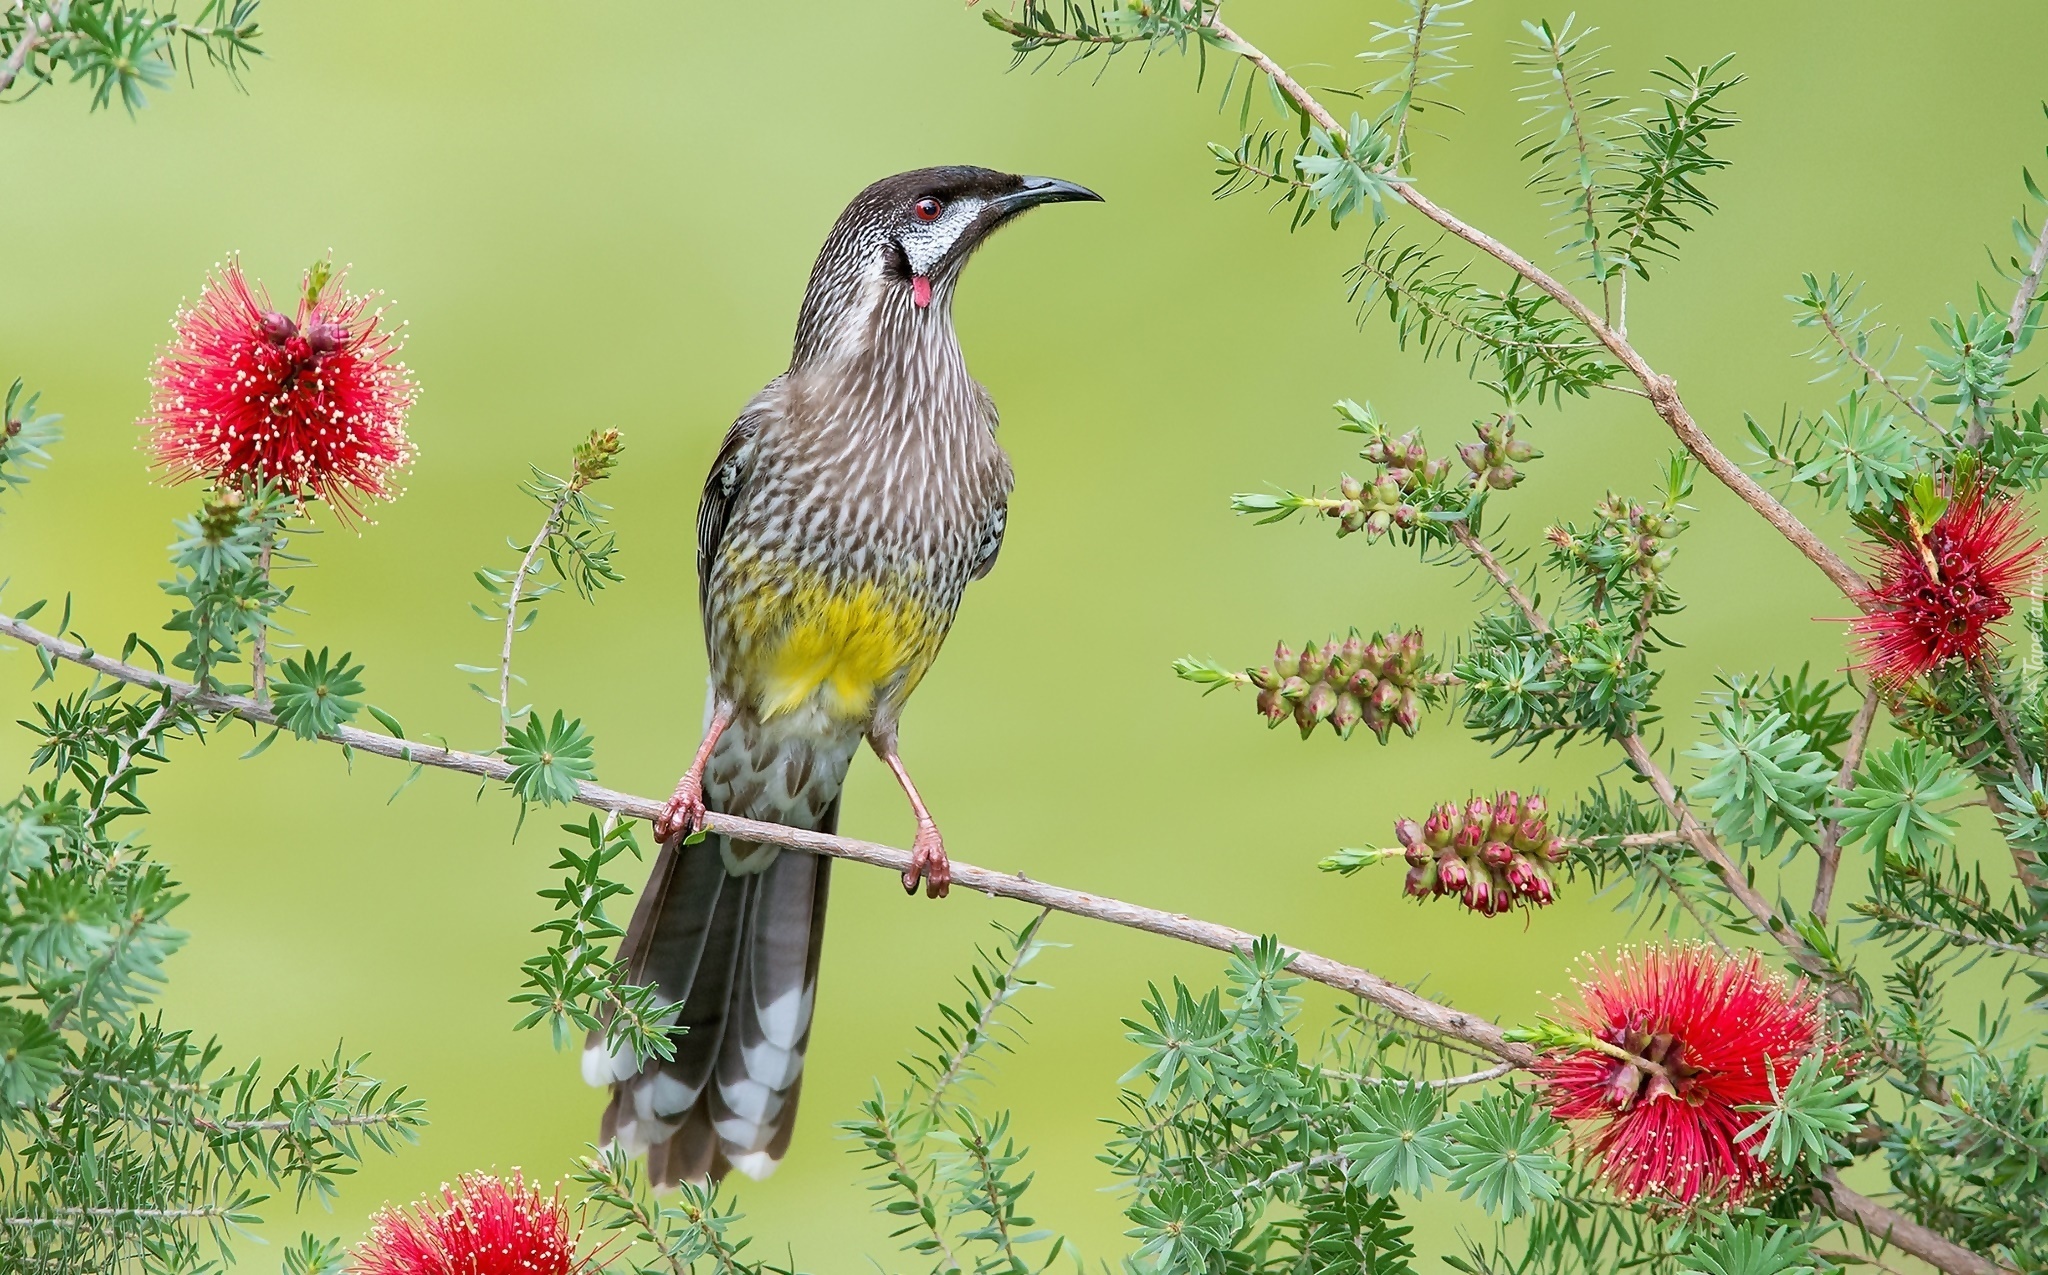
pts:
pixel 928 860
pixel 684 813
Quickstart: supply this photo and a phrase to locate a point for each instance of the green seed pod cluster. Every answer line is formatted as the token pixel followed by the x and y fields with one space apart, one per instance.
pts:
pixel 1378 505
pixel 1493 458
pixel 1491 856
pixel 1627 535
pixel 1376 682
pixel 1398 495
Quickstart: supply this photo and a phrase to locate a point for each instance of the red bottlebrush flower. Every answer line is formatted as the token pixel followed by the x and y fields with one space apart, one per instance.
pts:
pixel 1707 1033
pixel 1937 595
pixel 315 401
pixel 483 1225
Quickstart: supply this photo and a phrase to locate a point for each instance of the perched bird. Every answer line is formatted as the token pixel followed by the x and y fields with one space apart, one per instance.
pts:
pixel 850 505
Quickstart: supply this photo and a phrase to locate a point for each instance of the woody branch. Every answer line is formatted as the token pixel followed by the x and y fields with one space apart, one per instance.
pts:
pixel 1431 1016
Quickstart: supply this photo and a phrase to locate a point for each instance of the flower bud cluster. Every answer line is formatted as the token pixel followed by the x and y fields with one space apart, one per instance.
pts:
pixel 1493 458
pixel 220 515
pixel 1627 533
pixel 1377 682
pixel 1398 495
pixel 596 455
pixel 1390 500
pixel 1490 855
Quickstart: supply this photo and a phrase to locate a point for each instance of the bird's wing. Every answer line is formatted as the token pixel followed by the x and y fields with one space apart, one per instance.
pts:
pixel 723 485
pixel 1000 479
pixel 991 539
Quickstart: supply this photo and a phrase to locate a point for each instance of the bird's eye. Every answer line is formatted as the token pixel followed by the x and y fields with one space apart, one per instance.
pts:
pixel 928 209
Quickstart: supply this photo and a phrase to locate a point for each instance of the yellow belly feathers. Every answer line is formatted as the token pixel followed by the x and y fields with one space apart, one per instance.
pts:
pixel 835 646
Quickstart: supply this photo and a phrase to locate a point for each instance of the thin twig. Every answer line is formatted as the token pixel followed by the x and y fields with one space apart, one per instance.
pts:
pixel 2030 286
pixel 1870 372
pixel 547 528
pixel 74 1215
pixel 1484 556
pixel 259 649
pixel 2022 301
pixel 1731 872
pixel 1662 390
pixel 1831 835
pixel 1442 1082
pixel 33 37
pixel 984 1023
pixel 1689 827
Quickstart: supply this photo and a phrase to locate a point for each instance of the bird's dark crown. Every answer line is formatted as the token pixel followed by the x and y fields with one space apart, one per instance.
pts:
pixel 912 232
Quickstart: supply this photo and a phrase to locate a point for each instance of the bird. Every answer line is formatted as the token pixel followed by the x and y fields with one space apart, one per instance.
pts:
pixel 848 508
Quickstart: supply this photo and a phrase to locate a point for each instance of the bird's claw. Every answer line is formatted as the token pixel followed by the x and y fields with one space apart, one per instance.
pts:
pixel 684 813
pixel 928 860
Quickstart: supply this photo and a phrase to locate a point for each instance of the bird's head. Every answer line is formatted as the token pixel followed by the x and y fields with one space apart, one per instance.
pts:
pixel 901 243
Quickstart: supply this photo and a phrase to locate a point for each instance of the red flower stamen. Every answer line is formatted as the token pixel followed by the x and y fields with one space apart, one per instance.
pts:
pixel 1705 1034
pixel 483 1225
pixel 1937 594
pixel 314 401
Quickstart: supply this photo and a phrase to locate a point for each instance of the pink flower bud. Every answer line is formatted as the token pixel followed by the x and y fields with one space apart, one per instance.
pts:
pixel 1441 826
pixel 1496 854
pixel 1469 838
pixel 326 338
pixel 1408 714
pixel 1385 696
pixel 1452 875
pixel 1312 662
pixel 1418 883
pixel 1314 707
pixel 1479 895
pixel 1502 477
pixel 278 327
pixel 1520 872
pixel 1506 813
pixel 1408 832
pixel 1347 714
pixel 1478 812
pixel 1532 834
pixel 1285 659
pixel 1351 487
pixel 1474 456
pixel 1293 690
pixel 1273 705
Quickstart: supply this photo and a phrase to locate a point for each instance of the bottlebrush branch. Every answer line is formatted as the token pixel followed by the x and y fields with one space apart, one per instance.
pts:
pixel 1431 1016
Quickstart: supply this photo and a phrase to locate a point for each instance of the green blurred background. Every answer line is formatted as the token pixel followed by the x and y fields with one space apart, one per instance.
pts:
pixel 604 215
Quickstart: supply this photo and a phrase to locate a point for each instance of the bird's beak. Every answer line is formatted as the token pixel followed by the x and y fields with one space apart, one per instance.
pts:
pixel 1044 190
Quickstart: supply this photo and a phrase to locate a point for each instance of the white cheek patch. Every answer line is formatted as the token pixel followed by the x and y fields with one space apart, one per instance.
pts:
pixel 926 243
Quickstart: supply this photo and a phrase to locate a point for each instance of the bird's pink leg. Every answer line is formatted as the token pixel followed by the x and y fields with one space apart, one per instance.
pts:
pixel 928 852
pixel 684 813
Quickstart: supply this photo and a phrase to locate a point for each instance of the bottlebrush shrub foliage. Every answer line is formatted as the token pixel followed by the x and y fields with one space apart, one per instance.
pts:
pixel 1727 1100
